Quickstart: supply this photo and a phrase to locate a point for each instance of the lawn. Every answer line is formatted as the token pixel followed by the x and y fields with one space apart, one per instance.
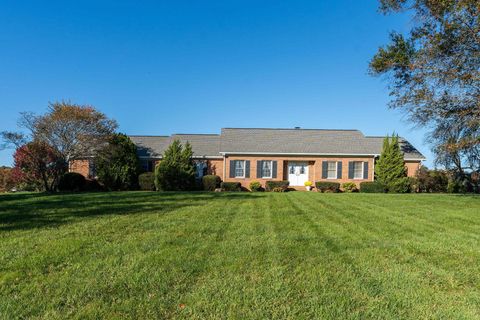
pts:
pixel 291 255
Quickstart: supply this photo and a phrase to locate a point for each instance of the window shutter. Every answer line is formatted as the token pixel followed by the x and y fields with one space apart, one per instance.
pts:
pixel 247 169
pixel 324 169
pixel 259 168
pixel 365 170
pixel 274 169
pixel 232 168
pixel 339 170
pixel 350 169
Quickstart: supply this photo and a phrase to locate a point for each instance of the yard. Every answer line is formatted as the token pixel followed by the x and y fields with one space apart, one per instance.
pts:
pixel 296 255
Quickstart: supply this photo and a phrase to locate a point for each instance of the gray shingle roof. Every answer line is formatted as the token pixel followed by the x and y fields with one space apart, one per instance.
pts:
pixel 273 141
pixel 203 145
pixel 305 141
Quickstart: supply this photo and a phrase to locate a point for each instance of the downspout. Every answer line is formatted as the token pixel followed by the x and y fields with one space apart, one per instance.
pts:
pixel 373 171
pixel 224 167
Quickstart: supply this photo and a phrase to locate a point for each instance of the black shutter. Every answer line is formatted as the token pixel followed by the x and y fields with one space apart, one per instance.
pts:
pixel 274 169
pixel 259 168
pixel 324 169
pixel 247 169
pixel 350 169
pixel 232 168
pixel 365 170
pixel 339 170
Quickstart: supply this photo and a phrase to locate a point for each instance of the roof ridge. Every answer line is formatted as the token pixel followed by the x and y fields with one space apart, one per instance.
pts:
pixel 293 129
pixel 146 135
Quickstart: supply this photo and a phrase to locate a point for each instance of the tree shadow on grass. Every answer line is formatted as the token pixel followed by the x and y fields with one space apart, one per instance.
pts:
pixel 35 210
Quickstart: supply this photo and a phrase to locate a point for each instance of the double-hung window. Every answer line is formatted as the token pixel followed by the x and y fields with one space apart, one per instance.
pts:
pixel 266 169
pixel 239 168
pixel 332 170
pixel 358 170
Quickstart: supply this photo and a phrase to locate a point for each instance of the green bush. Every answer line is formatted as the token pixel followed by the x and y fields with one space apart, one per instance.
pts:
pixel 401 185
pixel 279 189
pixel 146 181
pixel 71 182
pixel 270 185
pixel 92 185
pixel 255 186
pixel 211 182
pixel 456 186
pixel 231 186
pixel 372 187
pixel 325 186
pixel 349 187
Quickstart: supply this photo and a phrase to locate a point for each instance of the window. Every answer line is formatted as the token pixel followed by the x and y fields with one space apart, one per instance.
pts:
pixel 239 168
pixel 332 170
pixel 358 170
pixel 266 169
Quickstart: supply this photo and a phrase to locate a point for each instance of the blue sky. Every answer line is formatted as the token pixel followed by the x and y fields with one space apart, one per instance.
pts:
pixel 163 67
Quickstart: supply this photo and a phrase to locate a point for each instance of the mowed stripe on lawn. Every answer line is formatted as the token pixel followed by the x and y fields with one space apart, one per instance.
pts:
pixel 239 255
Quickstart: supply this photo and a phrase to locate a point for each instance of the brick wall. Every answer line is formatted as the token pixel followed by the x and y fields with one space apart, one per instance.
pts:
pixel 412 167
pixel 314 168
pixel 80 166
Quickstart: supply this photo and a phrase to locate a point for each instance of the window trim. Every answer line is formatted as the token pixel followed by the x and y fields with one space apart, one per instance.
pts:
pixel 363 170
pixel 235 169
pixel 336 170
pixel 271 169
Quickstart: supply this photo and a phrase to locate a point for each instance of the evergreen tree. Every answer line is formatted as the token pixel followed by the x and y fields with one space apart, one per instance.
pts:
pixel 176 171
pixel 117 165
pixel 390 168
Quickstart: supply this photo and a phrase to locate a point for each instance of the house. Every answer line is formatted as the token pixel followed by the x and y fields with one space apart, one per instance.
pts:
pixel 260 154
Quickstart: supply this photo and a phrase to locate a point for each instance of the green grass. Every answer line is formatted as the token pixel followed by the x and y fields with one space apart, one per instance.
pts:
pixel 296 255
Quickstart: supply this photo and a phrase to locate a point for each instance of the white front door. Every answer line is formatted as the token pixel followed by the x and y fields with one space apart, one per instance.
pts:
pixel 297 173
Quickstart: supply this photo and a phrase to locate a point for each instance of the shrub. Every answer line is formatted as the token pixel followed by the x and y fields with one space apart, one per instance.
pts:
pixel 372 187
pixel 279 189
pixel 72 182
pixel 211 182
pixel 146 181
pixel 401 185
pixel 231 186
pixel 456 186
pixel 349 187
pixel 308 183
pixel 430 180
pixel 270 185
pixel 92 185
pixel 324 186
pixel 255 186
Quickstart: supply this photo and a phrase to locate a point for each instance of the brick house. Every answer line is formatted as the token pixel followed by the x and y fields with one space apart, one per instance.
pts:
pixel 260 154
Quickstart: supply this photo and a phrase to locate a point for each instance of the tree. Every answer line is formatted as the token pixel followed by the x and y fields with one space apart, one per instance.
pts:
pixel 390 168
pixel 71 130
pixel 38 165
pixel 117 164
pixel 434 74
pixel 176 170
pixel 6 180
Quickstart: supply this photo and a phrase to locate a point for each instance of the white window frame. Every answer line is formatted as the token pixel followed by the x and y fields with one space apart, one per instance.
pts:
pixel 235 168
pixel 271 169
pixel 363 170
pixel 336 170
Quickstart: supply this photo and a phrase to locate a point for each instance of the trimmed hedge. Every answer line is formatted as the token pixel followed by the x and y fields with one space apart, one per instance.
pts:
pixel 325 186
pixel 72 182
pixel 255 186
pixel 271 185
pixel 372 187
pixel 231 186
pixel 211 182
pixel 146 181
pixel 349 187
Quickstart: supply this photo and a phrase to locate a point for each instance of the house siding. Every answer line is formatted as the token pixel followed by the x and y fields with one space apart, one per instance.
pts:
pixel 81 166
pixel 412 167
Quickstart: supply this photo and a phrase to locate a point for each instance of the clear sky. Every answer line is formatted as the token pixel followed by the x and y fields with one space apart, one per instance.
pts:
pixel 163 67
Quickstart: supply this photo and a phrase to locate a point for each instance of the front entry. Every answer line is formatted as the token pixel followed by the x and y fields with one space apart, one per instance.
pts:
pixel 297 173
